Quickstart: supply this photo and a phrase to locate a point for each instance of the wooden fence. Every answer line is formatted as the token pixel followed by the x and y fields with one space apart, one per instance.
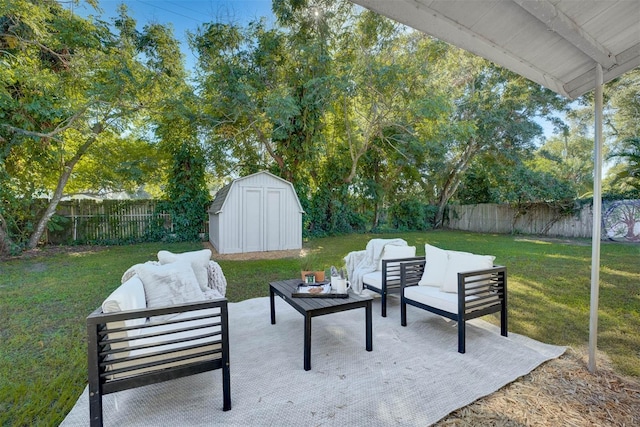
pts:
pixel 136 220
pixel 109 221
pixel 620 220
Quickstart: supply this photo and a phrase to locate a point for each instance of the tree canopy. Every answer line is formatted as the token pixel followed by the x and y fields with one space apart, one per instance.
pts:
pixel 376 125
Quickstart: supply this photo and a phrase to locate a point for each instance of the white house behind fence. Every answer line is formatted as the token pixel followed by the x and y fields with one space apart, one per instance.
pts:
pixel 256 213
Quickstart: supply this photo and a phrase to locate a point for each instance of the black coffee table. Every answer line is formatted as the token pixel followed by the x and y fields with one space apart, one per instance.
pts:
pixel 312 307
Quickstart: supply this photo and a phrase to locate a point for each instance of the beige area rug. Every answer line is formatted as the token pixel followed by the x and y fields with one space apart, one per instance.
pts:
pixel 413 376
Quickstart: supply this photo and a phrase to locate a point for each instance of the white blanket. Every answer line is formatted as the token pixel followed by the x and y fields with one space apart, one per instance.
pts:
pixel 360 263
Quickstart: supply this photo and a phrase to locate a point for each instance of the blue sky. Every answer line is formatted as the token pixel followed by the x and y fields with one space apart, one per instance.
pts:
pixel 184 15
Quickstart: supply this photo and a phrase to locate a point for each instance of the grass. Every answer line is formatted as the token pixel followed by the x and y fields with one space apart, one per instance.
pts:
pixel 44 301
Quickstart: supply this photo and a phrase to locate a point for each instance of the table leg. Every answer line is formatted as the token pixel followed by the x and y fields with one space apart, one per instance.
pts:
pixel 369 327
pixel 273 306
pixel 307 342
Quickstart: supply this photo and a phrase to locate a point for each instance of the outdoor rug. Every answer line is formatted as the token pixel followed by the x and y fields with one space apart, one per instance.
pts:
pixel 413 376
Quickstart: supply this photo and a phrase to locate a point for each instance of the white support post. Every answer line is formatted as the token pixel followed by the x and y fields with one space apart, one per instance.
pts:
pixel 597 222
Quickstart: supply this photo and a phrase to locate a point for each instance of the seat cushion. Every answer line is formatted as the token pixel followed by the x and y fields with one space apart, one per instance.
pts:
pixel 433 297
pixel 373 279
pixel 128 296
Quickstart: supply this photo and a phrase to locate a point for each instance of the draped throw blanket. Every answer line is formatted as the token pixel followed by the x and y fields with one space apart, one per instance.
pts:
pixel 360 263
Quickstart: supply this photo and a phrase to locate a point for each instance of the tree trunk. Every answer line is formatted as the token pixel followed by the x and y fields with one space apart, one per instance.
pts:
pixel 453 181
pixel 5 239
pixel 62 182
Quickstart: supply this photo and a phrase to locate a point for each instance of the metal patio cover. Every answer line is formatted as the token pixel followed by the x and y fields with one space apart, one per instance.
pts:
pixel 556 43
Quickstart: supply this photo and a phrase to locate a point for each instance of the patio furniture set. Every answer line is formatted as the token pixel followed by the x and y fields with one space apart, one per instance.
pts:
pixel 169 319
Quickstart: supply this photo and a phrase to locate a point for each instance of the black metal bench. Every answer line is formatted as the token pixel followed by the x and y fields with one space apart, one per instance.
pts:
pixel 123 357
pixel 480 292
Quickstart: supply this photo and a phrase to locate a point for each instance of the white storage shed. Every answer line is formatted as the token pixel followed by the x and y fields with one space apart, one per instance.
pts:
pixel 256 213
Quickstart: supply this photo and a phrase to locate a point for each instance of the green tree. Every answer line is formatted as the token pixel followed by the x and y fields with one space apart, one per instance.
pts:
pixel 491 112
pixel 264 92
pixel 627 176
pixel 186 193
pixel 569 158
pixel 68 87
pixel 185 196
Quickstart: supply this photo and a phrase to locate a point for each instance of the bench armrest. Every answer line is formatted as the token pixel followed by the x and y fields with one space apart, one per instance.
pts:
pixel 495 276
pixel 479 290
pixel 411 272
pixel 391 267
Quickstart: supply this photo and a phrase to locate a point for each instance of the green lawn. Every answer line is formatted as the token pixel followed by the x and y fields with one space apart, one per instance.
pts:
pixel 44 301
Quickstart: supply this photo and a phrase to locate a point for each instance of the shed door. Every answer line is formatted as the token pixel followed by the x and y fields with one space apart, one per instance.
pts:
pixel 252 219
pixel 262 219
pixel 274 219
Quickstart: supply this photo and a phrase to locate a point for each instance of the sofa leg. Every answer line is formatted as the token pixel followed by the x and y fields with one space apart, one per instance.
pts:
pixel 95 409
pixel 226 388
pixel 461 336
pixel 503 321
pixel 383 302
pixel 403 312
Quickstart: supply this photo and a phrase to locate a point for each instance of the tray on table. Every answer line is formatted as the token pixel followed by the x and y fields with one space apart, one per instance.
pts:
pixel 317 290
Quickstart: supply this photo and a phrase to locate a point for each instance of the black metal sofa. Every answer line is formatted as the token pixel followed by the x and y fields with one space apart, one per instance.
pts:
pixel 126 350
pixel 479 293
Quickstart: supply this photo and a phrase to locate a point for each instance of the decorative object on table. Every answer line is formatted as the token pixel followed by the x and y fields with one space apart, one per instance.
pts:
pixel 336 275
pixel 308 266
pixel 342 286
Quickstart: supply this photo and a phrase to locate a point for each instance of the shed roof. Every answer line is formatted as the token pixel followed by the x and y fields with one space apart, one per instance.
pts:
pixel 217 206
pixel 556 43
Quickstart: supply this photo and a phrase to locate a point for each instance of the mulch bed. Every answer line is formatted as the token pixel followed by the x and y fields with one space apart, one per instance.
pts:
pixel 561 392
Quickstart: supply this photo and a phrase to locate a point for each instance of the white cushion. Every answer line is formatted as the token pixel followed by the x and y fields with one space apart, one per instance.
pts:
pixel 433 297
pixel 435 267
pixel 199 261
pixel 373 279
pixel 128 296
pixel 396 252
pixel 169 284
pixel 446 301
pixel 460 262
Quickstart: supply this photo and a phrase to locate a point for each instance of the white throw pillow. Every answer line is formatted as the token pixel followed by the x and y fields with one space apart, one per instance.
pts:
pixel 396 252
pixel 169 284
pixel 199 261
pixel 461 262
pixel 435 266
